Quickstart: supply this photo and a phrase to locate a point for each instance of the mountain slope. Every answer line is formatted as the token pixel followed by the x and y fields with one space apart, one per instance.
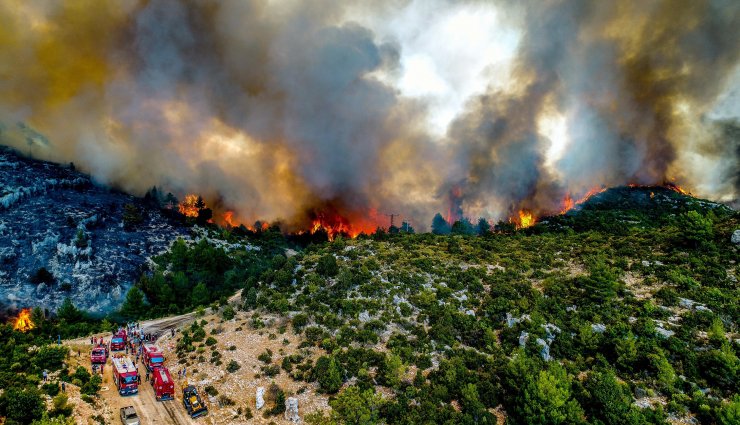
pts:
pixel 56 219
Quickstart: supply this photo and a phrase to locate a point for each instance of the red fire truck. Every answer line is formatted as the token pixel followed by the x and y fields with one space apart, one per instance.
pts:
pixel 125 375
pixel 98 355
pixel 152 357
pixel 164 386
pixel 118 342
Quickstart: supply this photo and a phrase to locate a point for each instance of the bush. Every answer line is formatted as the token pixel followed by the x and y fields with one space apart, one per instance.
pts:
pixel 210 341
pixel 328 374
pixel 265 357
pixel 229 313
pixel 233 366
pixel 327 266
pixel 42 276
pixel 299 322
pixel 23 406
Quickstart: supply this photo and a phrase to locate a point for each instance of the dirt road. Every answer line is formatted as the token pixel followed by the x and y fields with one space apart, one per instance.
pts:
pixel 150 410
pixel 156 327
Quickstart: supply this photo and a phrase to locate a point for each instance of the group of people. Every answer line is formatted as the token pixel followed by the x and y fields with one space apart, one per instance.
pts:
pixel 45 374
pixel 99 340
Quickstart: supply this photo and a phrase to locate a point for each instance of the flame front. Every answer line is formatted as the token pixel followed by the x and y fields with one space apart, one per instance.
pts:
pixel 188 206
pixel 23 322
pixel 525 219
pixel 229 219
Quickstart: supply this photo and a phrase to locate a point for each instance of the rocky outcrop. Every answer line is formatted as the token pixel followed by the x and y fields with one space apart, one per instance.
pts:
pixel 736 237
pixel 54 219
pixel 260 398
pixel 291 410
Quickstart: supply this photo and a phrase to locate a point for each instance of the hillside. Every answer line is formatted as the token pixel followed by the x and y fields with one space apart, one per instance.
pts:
pixel 634 325
pixel 624 310
pixel 61 235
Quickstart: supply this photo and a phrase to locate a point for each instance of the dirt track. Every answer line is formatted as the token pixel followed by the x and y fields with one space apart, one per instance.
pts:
pixel 149 410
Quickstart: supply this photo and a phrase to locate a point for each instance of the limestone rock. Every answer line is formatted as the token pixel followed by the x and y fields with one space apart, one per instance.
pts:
pixel 523 338
pixel 736 237
pixel 260 398
pixel 291 410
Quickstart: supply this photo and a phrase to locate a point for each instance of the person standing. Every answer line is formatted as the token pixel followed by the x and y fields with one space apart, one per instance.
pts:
pixel 64 387
pixel 45 374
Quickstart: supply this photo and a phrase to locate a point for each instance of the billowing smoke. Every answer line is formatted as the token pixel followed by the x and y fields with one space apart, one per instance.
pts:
pixel 291 110
pixel 633 82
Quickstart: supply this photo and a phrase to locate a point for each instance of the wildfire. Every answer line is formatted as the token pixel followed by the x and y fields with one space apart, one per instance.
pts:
pixel 568 202
pixel 229 219
pixel 23 322
pixel 525 219
pixel 188 207
pixel 349 224
pixel 676 188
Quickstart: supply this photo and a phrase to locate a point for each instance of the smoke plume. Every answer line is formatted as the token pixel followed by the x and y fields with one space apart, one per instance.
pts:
pixel 293 110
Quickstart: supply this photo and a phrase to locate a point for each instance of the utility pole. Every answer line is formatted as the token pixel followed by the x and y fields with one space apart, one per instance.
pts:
pixel 392 216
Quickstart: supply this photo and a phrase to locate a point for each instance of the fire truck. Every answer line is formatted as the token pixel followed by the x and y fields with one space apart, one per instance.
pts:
pixel 125 375
pixel 164 386
pixel 98 355
pixel 152 357
pixel 118 342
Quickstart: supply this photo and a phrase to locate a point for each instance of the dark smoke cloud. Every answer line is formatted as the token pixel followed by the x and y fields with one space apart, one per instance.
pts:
pixel 623 73
pixel 277 111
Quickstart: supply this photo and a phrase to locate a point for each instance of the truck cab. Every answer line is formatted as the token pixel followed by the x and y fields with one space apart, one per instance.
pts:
pixel 98 355
pixel 152 357
pixel 125 376
pixel 118 342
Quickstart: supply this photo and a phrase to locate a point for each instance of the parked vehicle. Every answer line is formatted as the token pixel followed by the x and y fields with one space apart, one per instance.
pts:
pixel 118 342
pixel 98 355
pixel 193 404
pixel 152 357
pixel 164 386
pixel 125 375
pixel 129 416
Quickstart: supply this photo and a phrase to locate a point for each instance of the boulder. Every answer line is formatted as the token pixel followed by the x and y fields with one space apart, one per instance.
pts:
pixel 545 351
pixel 523 338
pixel 260 398
pixel 291 410
pixel 736 237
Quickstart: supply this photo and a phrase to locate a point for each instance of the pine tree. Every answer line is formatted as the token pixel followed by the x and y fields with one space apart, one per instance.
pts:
pixel 330 379
pixel 199 295
pixel 133 306
pixel 440 226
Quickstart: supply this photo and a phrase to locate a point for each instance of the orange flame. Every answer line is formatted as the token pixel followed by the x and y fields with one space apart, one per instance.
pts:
pixel 525 219
pixel 568 202
pixel 23 322
pixel 676 188
pixel 259 226
pixel 567 205
pixel 229 219
pixel 187 207
pixel 335 224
